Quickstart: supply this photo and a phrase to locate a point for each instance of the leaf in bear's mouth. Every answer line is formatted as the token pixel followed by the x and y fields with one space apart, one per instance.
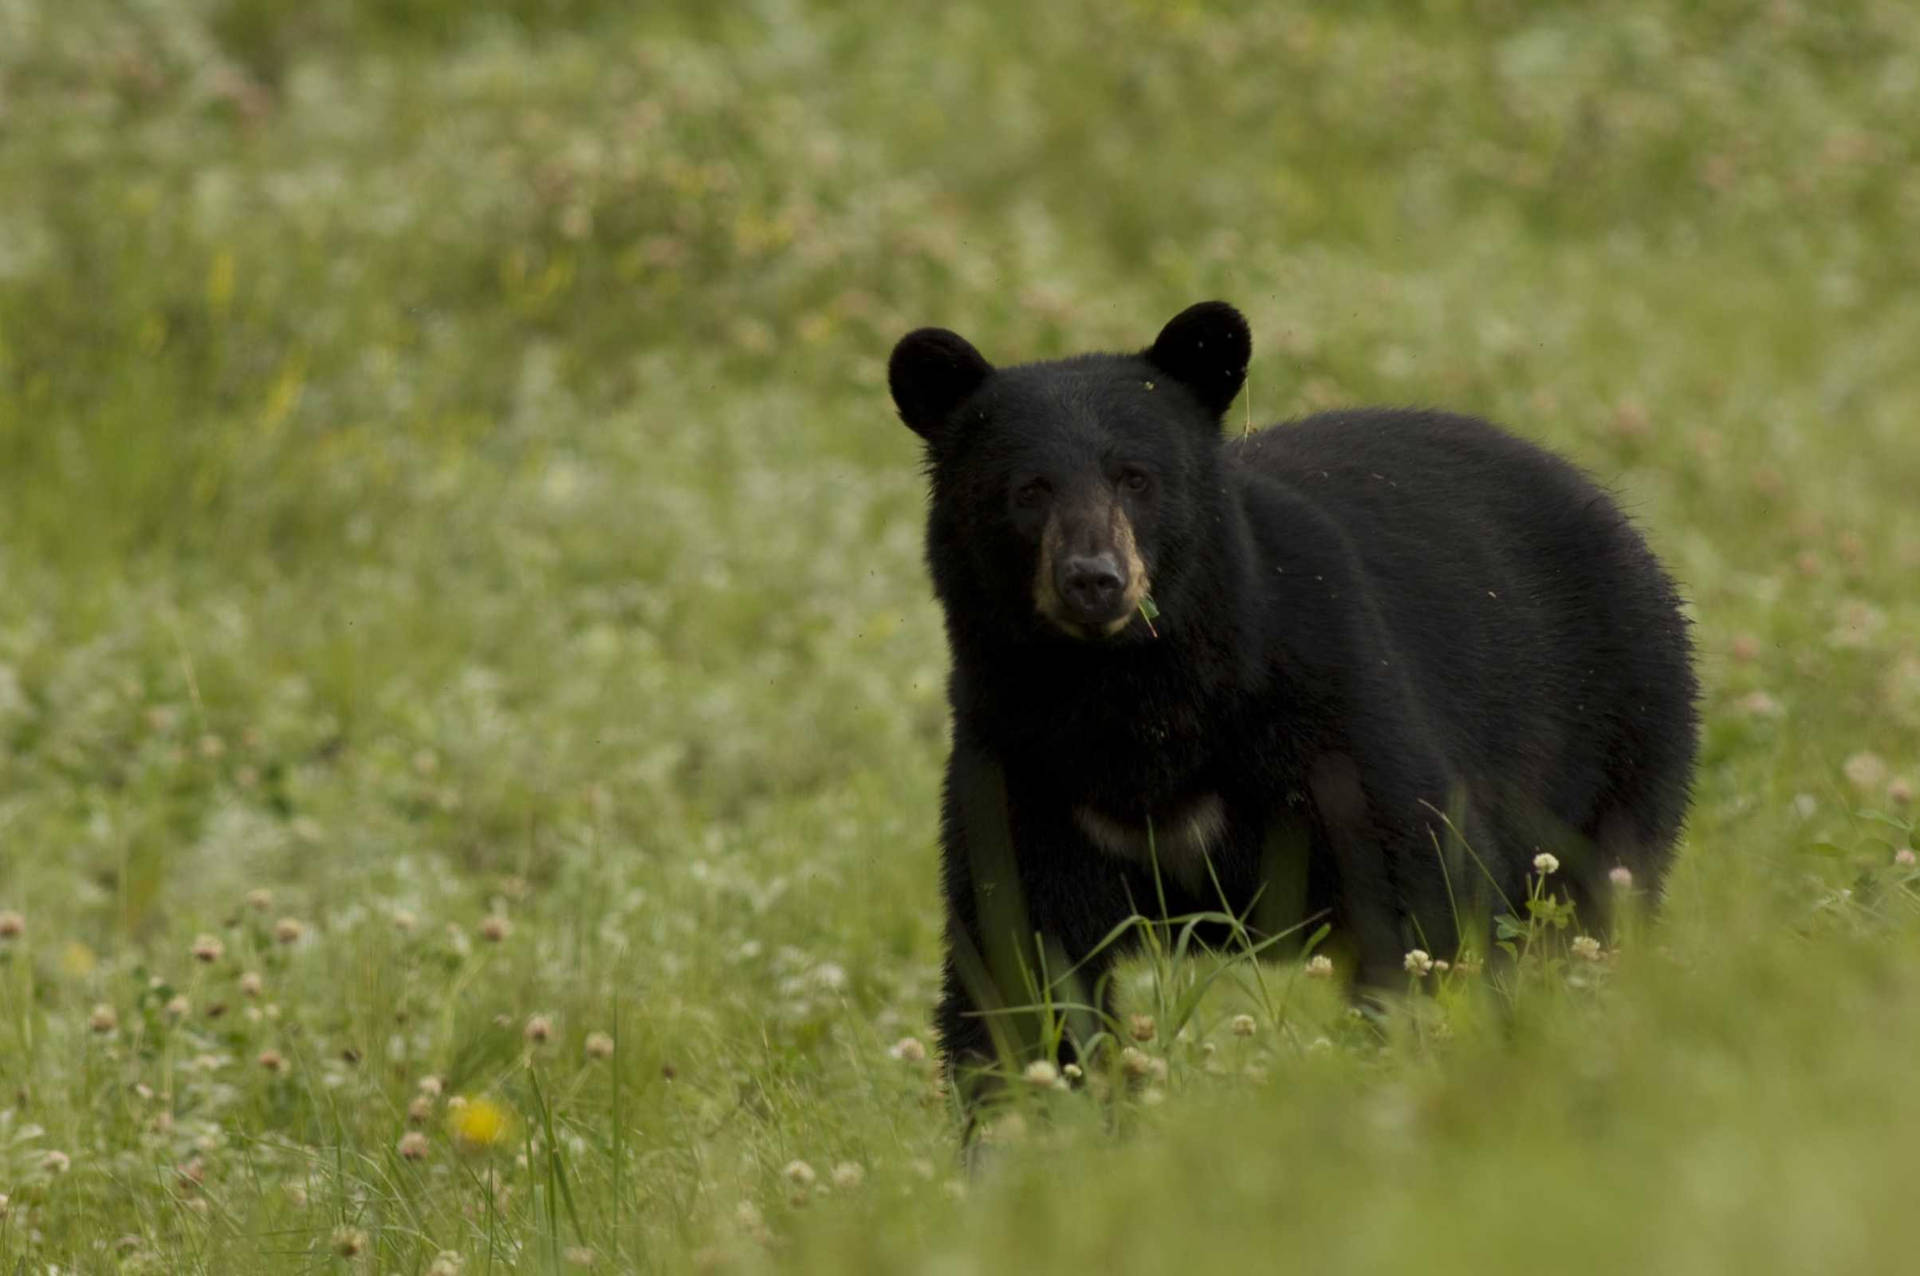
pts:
pixel 1149 610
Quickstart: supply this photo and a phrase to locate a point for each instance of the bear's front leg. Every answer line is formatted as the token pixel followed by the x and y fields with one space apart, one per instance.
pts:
pixel 1015 929
pixel 987 926
pixel 1393 837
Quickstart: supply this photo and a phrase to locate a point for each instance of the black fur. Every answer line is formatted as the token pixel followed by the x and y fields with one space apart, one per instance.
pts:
pixel 1365 618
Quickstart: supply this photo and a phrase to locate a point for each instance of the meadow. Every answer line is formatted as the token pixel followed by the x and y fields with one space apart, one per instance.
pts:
pixel 471 707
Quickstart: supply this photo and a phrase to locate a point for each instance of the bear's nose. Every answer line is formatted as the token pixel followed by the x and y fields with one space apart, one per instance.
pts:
pixel 1091 585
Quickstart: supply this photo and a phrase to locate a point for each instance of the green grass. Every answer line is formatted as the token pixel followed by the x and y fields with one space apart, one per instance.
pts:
pixel 446 474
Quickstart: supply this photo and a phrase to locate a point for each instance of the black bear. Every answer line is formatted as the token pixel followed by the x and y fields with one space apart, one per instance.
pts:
pixel 1362 666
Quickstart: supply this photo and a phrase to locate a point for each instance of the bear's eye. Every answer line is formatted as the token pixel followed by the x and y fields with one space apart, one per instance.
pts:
pixel 1134 479
pixel 1033 493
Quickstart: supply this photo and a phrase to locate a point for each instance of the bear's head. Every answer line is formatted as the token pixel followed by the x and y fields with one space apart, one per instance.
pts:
pixel 1072 497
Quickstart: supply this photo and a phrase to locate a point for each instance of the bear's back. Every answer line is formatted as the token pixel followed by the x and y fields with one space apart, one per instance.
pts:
pixel 1359 458
pixel 1420 493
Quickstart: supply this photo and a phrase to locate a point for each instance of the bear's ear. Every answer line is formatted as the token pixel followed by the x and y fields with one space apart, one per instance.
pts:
pixel 1205 348
pixel 930 372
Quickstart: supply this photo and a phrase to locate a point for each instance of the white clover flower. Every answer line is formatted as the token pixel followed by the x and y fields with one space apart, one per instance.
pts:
pixel 208 949
pixel 1320 966
pixel 800 1174
pixel 1141 1027
pixel 1621 876
pixel 1546 864
pixel 1865 771
pixel 1042 1073
pixel 849 1174
pixel 1903 857
pixel 413 1146
pixel 1243 1025
pixel 1586 947
pixel 1417 962
pixel 908 1050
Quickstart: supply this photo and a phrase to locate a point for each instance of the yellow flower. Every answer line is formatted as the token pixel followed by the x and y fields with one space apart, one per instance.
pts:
pixel 479 1124
pixel 77 959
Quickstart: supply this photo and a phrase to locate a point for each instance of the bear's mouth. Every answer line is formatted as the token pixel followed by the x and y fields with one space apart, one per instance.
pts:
pixel 1092 633
pixel 1094 629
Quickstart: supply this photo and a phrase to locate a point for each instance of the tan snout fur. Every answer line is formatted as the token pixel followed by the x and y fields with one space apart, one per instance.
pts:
pixel 1053 544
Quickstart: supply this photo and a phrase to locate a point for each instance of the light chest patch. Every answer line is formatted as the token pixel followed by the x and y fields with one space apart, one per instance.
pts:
pixel 1179 842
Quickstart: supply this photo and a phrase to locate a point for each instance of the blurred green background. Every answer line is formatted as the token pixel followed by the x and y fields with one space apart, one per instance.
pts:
pixel 446 475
